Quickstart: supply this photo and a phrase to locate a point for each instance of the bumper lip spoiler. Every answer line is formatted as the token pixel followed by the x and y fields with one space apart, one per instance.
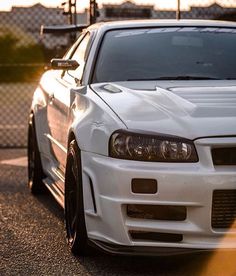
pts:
pixel 149 251
pixel 58 30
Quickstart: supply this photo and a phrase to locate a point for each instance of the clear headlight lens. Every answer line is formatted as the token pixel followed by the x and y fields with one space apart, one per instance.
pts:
pixel 148 147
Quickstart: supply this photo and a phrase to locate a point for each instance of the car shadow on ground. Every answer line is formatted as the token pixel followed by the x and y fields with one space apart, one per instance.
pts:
pixel 51 205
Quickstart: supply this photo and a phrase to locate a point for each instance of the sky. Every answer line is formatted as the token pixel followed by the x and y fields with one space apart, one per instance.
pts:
pixel 81 4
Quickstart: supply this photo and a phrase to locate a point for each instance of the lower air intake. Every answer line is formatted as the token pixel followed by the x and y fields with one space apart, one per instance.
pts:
pixel 157 212
pixel 155 236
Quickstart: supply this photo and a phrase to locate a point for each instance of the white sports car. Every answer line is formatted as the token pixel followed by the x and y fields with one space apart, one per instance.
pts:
pixel 134 134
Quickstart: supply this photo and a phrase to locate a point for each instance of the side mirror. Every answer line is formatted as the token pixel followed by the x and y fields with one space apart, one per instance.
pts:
pixel 64 64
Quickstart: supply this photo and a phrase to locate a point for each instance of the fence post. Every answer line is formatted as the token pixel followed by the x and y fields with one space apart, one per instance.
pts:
pixel 93 11
pixel 178 14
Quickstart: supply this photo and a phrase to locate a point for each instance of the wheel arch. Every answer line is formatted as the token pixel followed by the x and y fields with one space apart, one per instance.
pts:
pixel 71 137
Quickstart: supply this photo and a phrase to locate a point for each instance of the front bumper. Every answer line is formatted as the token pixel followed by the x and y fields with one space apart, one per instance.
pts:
pixel 107 192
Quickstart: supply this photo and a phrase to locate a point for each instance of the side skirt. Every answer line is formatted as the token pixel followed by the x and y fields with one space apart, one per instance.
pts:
pixel 54 188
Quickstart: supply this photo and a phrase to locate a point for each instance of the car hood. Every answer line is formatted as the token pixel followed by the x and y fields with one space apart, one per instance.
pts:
pixel 190 109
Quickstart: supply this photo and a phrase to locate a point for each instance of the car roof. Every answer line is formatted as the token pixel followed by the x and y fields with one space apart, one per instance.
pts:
pixel 160 23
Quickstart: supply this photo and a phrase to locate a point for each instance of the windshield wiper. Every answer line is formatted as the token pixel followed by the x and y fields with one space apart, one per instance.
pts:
pixel 175 78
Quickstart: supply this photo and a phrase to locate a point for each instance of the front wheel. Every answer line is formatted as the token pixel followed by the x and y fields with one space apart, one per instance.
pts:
pixel 35 171
pixel 74 205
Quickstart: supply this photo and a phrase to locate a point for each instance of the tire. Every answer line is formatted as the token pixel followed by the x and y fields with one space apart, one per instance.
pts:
pixel 74 205
pixel 35 171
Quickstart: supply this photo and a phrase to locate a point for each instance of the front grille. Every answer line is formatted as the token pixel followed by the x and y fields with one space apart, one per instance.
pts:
pixel 224 156
pixel 224 209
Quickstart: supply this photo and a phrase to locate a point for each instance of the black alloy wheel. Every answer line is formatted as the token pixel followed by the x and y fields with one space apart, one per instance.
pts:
pixel 35 171
pixel 74 205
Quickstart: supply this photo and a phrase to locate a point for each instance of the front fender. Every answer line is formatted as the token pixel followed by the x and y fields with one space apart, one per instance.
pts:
pixel 93 122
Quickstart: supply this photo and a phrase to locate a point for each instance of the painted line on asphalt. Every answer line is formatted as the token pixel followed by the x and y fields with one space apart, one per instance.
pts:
pixel 20 162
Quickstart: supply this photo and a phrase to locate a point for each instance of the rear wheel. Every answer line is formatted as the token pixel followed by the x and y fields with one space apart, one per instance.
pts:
pixel 35 171
pixel 74 205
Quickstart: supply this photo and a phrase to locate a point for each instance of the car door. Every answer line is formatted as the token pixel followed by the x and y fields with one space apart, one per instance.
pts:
pixel 61 100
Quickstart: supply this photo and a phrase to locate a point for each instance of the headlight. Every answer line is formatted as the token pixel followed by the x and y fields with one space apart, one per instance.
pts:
pixel 151 147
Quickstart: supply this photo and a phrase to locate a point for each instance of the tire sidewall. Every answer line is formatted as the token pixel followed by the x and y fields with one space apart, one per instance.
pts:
pixel 35 174
pixel 78 245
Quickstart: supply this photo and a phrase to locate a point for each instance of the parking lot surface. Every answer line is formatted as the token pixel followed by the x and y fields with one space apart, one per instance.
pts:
pixel 32 238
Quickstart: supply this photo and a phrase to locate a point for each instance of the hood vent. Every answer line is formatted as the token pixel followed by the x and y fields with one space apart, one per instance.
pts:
pixel 208 96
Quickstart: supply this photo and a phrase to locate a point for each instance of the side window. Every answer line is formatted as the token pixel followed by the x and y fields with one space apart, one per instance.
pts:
pixel 80 55
pixel 72 48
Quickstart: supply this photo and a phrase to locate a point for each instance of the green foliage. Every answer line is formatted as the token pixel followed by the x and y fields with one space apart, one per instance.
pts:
pixel 19 62
pixel 7 43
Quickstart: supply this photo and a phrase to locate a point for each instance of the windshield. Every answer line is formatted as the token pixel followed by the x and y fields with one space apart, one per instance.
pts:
pixel 187 53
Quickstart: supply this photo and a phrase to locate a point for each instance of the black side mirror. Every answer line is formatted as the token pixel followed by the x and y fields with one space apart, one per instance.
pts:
pixel 64 64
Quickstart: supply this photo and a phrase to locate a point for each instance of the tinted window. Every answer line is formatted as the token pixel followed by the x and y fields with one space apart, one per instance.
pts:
pixel 167 53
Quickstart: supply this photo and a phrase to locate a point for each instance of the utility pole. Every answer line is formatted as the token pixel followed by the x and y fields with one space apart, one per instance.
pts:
pixel 178 13
pixel 70 11
pixel 75 12
pixel 93 11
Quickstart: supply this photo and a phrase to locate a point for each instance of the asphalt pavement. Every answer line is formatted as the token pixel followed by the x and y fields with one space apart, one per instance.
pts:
pixel 32 238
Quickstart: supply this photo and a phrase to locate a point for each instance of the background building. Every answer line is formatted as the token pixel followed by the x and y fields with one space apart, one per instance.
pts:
pixel 129 10
pixel 214 11
pixel 126 11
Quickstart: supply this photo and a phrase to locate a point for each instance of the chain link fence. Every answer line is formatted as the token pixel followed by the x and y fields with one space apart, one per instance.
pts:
pixel 24 54
pixel 23 57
